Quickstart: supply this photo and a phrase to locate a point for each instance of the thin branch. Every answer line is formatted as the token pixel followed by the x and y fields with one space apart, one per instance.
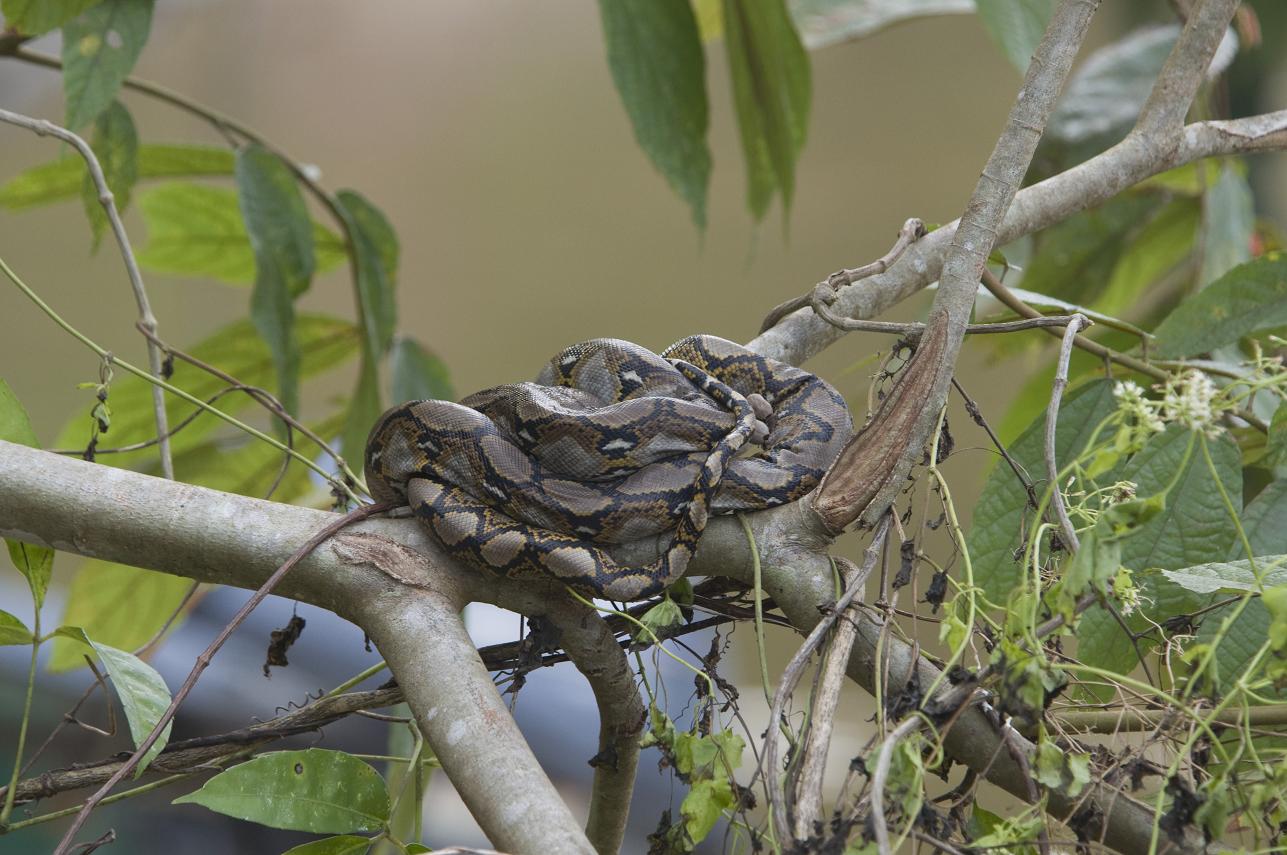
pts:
pixel 880 773
pixel 147 321
pixel 1186 67
pixel 794 671
pixel 1060 383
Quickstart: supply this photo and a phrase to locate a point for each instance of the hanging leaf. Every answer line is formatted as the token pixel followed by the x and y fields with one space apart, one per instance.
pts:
pixel 345 844
pixel 659 68
pixel 281 237
pixel 115 604
pixel 1248 299
pixel 99 50
pixel 35 563
pixel 37 17
pixel 63 178
pixel 116 144
pixel 1228 221
pixel 325 792
pixel 771 91
pixel 143 693
pixel 418 374
pixel 1232 576
pixel 195 230
pixel 1016 26
pixel 827 22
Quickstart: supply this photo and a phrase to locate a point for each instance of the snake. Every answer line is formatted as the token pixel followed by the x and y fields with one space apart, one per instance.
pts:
pixel 612 444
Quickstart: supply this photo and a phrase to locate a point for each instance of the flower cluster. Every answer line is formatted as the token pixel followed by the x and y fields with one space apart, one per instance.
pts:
pixel 1186 400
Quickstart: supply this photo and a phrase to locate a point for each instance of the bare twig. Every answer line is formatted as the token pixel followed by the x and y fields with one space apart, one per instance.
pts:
pixel 912 230
pixel 147 321
pixel 795 670
pixel 881 773
pixel 1077 323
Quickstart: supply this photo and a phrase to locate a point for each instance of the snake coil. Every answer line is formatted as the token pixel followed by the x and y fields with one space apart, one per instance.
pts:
pixel 611 444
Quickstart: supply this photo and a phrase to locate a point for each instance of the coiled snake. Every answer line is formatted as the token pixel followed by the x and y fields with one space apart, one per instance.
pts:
pixel 611 444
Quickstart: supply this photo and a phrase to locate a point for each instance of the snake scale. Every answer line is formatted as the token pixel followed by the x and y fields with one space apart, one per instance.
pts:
pixel 611 444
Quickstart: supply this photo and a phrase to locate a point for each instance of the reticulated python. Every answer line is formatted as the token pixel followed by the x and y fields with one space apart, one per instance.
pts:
pixel 611 444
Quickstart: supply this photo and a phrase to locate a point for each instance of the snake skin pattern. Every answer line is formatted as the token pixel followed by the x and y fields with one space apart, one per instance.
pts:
pixel 611 444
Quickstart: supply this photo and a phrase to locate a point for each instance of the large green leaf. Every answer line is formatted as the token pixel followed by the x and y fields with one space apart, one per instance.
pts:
pixel 345 844
pixel 1264 521
pixel 657 62
pixel 324 342
pixel 1194 528
pixel 1248 299
pixel 418 374
pixel 281 237
pixel 118 605
pixel 1160 245
pixel 1016 26
pixel 771 91
pixel 1235 577
pixel 195 230
pixel 12 630
pixel 999 516
pixel 35 563
pixel 63 178
pixel 100 48
pixel 116 144
pixel 826 22
pixel 36 17
pixel 1075 259
pixel 325 792
pixel 1228 221
pixel 143 693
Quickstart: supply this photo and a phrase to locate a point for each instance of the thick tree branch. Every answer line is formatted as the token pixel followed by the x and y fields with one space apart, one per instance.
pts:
pixel 221 538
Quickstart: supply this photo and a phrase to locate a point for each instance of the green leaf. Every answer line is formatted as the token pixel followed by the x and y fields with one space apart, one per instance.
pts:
pixel 658 620
pixel 345 844
pixel 704 805
pixel 99 50
pixel 1248 299
pixel 1193 529
pixel 12 630
pixel 143 693
pixel 377 255
pixel 35 563
pixel 325 792
pixel 195 230
pixel 118 605
pixel 324 343
pixel 1232 576
pixel 1002 507
pixel 250 467
pixel 375 248
pixel 62 179
pixel 1066 773
pixel 771 91
pixel 655 53
pixel 1228 221
pixel 15 426
pixel 281 237
pixel 1016 26
pixel 417 374
pixel 37 17
pixel 827 22
pixel 1075 259
pixel 116 144
pixel 1158 247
